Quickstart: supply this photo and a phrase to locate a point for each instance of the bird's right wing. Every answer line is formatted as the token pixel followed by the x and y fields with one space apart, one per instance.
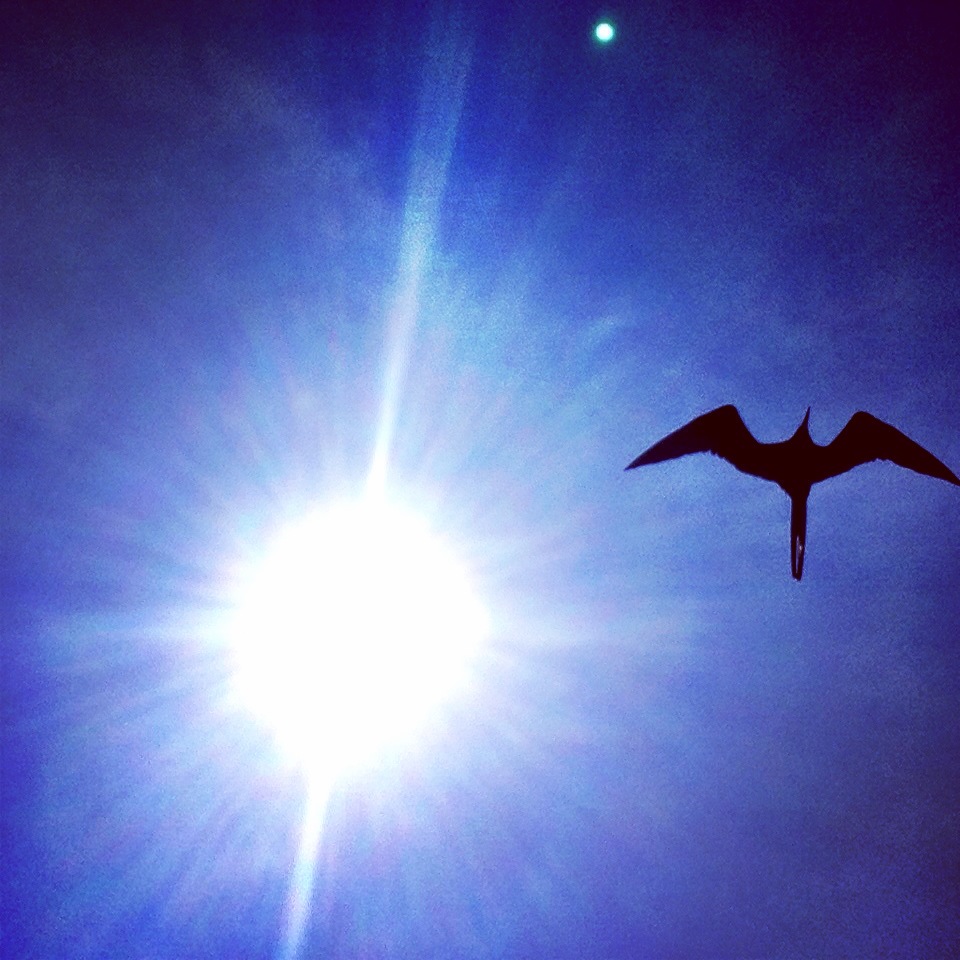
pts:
pixel 866 438
pixel 720 431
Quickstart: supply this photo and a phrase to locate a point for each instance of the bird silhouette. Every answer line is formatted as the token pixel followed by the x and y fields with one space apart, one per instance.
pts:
pixel 795 465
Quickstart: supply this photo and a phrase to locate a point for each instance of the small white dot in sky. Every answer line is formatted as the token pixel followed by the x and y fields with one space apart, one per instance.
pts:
pixel 604 31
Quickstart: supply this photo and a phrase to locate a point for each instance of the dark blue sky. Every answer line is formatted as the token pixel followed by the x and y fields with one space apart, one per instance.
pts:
pixel 239 246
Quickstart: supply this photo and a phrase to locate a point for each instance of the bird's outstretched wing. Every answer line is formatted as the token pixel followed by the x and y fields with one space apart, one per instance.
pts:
pixel 866 438
pixel 720 431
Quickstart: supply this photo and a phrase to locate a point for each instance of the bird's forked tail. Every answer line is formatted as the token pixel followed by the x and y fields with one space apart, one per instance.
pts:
pixel 798 534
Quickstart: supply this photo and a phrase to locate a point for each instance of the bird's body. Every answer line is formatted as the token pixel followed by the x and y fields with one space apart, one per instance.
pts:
pixel 795 465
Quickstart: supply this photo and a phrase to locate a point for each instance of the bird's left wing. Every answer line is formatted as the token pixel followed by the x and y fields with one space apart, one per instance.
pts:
pixel 721 431
pixel 865 438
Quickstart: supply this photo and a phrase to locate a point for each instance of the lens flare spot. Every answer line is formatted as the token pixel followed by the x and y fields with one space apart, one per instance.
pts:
pixel 604 31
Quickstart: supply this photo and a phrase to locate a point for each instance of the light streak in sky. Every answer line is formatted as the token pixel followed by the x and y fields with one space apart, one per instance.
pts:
pixel 441 104
pixel 300 891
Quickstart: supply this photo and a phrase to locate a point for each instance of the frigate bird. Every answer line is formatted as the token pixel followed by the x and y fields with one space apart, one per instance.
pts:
pixel 795 465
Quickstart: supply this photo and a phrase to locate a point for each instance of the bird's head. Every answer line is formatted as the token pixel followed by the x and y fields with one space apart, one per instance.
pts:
pixel 804 428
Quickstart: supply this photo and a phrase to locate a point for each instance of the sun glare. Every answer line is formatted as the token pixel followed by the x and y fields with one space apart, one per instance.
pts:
pixel 353 624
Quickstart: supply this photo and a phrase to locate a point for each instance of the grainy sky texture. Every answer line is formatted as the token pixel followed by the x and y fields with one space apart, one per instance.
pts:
pixel 250 252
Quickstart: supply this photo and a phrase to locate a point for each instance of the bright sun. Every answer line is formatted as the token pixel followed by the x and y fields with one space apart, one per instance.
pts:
pixel 353 624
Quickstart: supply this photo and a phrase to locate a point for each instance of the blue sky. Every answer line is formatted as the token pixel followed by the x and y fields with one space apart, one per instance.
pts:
pixel 243 250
